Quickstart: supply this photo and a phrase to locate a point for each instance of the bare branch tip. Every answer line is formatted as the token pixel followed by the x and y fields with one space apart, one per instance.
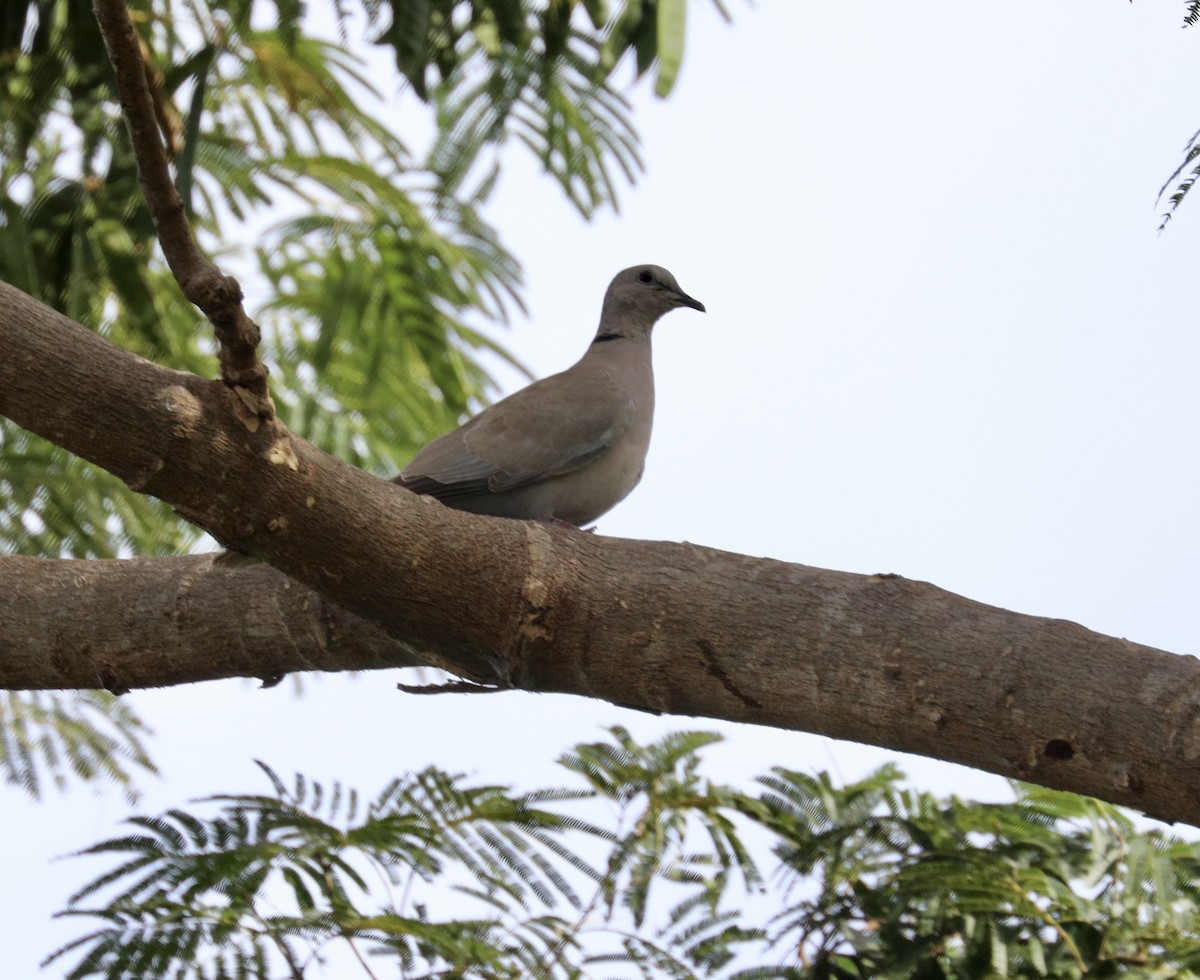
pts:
pixel 455 687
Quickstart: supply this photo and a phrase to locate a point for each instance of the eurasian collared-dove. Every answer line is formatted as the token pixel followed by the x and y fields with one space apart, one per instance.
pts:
pixel 573 445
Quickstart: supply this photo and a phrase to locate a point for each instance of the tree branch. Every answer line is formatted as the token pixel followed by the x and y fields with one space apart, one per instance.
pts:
pixel 664 627
pixel 155 622
pixel 218 295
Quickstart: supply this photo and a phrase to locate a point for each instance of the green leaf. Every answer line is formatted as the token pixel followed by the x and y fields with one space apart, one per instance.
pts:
pixel 644 41
pixel 672 30
pixel 509 16
pixel 597 10
pixel 409 37
pixel 199 67
pixel 620 36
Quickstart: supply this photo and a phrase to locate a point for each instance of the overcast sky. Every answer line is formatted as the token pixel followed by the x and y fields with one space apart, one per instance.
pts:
pixel 944 340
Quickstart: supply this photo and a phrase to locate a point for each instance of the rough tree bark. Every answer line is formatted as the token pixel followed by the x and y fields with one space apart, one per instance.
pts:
pixel 659 626
pixel 154 622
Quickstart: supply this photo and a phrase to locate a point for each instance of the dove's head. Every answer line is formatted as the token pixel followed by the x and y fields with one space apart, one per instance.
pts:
pixel 637 297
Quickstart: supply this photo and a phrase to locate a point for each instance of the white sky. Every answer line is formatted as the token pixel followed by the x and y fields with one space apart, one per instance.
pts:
pixel 944 340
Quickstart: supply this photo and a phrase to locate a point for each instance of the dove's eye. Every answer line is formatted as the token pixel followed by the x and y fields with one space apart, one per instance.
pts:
pixel 645 276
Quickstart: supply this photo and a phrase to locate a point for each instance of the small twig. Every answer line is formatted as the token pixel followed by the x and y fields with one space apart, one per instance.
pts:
pixel 362 962
pixel 218 295
pixel 454 687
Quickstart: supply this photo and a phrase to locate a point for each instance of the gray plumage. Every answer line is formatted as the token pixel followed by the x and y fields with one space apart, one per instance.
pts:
pixel 569 447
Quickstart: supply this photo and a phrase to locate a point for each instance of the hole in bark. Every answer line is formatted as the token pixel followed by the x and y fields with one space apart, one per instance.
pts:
pixel 1059 748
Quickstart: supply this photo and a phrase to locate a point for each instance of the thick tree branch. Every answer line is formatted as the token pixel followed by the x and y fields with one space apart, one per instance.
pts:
pixel 665 627
pixel 218 295
pixel 154 622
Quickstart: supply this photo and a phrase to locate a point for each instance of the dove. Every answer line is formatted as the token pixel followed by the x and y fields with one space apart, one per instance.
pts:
pixel 570 447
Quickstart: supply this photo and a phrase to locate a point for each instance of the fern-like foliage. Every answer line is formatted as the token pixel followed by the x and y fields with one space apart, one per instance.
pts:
pixel 662 800
pixel 632 875
pixel 540 73
pixel 273 879
pixel 90 735
pixel 374 336
pixel 1181 180
pixel 1184 176
pixel 909 885
pixel 271 883
pixel 576 124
